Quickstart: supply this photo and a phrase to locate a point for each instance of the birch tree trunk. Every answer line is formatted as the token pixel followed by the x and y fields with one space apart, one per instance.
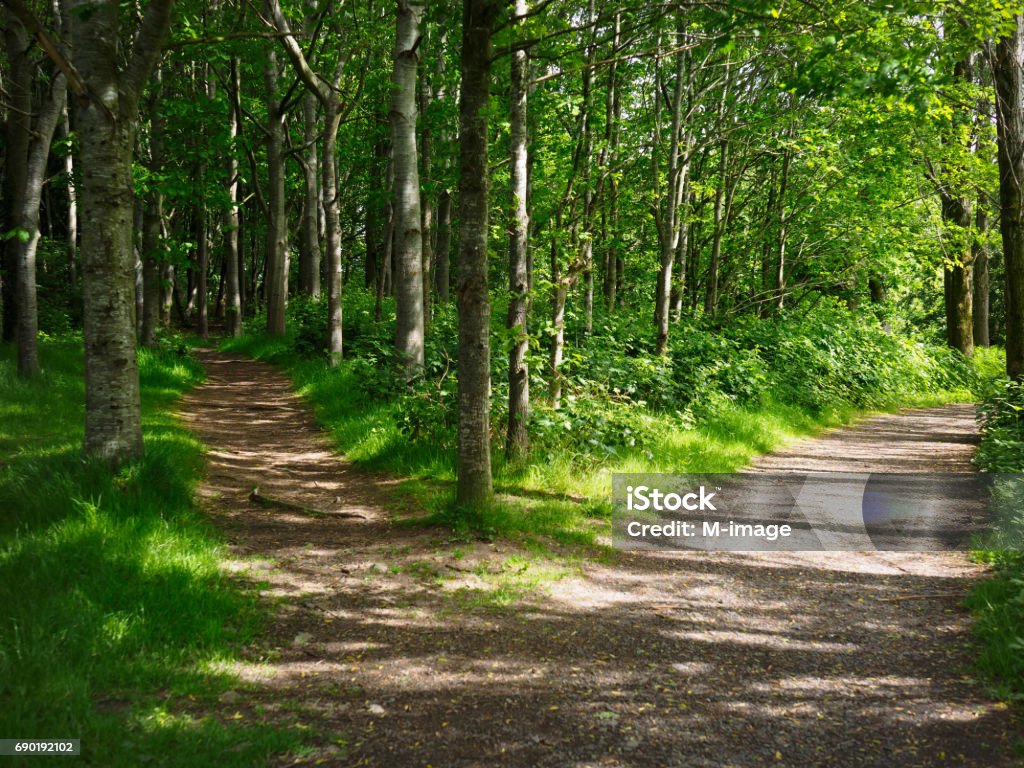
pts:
pixel 232 283
pixel 276 279
pixel 587 256
pixel 981 280
pixel 609 231
pixel 152 224
pixel 407 214
pixel 72 220
pixel 309 230
pixel 668 208
pixel 518 275
pixel 332 229
pixel 474 368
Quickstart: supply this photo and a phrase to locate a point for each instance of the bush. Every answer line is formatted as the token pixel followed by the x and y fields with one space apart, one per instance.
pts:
pixel 1002 428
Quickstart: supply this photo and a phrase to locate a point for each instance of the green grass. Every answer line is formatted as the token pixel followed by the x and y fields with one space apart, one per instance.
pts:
pixel 998 602
pixel 998 607
pixel 116 610
pixel 551 494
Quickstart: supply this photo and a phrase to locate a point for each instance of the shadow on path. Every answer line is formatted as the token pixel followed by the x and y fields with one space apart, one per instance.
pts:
pixel 385 644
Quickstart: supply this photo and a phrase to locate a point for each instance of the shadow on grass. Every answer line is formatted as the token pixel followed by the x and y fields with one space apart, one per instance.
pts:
pixel 115 603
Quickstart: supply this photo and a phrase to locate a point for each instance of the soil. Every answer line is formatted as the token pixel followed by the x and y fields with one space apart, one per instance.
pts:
pixel 401 646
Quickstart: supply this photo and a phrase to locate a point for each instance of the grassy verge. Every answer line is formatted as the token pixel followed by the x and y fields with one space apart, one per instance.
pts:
pixel 115 607
pixel 556 493
pixel 998 602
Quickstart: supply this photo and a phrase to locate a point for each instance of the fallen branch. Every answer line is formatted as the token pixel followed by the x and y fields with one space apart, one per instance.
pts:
pixel 935 596
pixel 269 501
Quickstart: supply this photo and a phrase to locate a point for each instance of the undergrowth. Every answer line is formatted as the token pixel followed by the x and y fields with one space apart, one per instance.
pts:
pixel 720 396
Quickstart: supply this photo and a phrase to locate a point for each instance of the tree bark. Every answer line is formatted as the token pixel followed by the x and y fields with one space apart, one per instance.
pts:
pixel 152 225
pixel 609 228
pixel 72 219
pixel 17 135
pixel 517 438
pixel 309 230
pixel 718 231
pixel 106 124
pixel 474 486
pixel 668 207
pixel 332 229
pixel 587 256
pixel 276 280
pixel 957 276
pixel 30 169
pixel 442 253
pixel 232 262
pixel 981 280
pixel 408 218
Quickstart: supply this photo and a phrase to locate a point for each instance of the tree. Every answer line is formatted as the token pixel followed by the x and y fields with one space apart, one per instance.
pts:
pixel 1008 71
pixel 407 212
pixel 327 93
pixel 276 279
pixel 518 274
pixel 106 117
pixel 232 266
pixel 29 136
pixel 474 365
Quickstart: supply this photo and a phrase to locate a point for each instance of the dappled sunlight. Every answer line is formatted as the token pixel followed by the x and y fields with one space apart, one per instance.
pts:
pixel 381 629
pixel 766 640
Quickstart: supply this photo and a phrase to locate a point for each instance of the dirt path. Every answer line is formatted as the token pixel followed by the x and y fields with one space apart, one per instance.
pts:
pixel 393 644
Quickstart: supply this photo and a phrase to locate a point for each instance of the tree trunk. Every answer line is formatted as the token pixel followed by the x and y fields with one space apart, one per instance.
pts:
pixel 587 256
pixel 609 233
pixel 106 125
pixel 518 276
pixel 72 219
pixel 426 193
pixel 408 222
pixel 31 170
pixel 442 253
pixel 332 229
pixel 276 280
pixel 980 280
pixel 714 266
pixel 474 369
pixel 957 277
pixel 151 268
pixel 309 229
pixel 668 209
pixel 232 261
pixel 152 223
pixel 17 135
pixel 559 293
pixel 202 264
pixel 877 289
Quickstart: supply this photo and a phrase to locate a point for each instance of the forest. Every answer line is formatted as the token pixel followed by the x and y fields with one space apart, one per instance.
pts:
pixel 326 325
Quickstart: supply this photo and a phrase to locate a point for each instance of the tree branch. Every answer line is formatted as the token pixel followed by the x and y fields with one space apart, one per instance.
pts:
pixel 147 48
pixel 54 51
